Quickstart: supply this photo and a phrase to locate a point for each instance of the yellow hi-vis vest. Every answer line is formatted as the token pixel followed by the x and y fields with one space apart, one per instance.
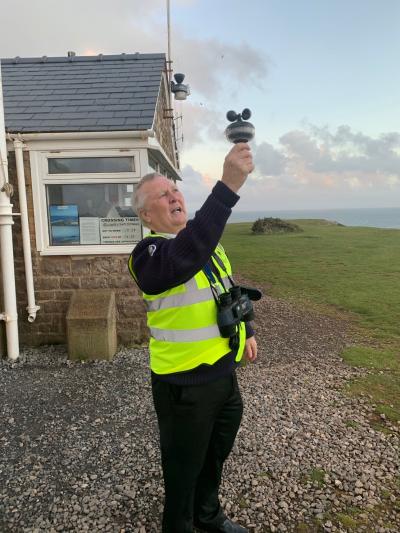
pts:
pixel 183 323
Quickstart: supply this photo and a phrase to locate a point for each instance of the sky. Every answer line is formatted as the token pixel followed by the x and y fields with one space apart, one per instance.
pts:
pixel 321 78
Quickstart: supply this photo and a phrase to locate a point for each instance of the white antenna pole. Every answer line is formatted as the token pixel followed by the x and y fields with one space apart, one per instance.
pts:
pixel 169 61
pixel 169 30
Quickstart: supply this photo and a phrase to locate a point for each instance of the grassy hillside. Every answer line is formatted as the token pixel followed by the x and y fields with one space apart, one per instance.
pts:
pixel 352 270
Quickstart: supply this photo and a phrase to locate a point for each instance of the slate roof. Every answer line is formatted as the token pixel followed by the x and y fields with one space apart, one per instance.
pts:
pixel 81 93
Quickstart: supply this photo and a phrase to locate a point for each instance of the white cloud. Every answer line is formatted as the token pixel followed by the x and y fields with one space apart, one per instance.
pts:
pixel 298 143
pixel 354 182
pixel 213 67
pixel 201 123
pixel 195 187
pixel 321 158
pixel 268 160
pixel 393 180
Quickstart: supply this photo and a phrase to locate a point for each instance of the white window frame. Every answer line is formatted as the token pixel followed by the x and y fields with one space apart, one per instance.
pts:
pixel 41 178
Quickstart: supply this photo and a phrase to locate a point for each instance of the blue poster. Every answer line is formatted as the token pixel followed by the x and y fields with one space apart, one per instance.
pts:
pixel 64 224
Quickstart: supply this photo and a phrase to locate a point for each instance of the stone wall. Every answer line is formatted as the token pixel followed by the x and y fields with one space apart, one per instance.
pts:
pixel 163 125
pixel 56 277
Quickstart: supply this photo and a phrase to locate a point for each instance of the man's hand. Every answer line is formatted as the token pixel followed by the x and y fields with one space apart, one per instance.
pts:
pixel 237 166
pixel 250 349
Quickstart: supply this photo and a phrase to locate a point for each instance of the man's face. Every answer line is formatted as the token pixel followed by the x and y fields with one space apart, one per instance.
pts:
pixel 164 208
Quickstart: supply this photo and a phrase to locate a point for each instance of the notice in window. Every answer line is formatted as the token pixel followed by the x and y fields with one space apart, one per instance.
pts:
pixel 90 230
pixel 126 230
pixel 64 224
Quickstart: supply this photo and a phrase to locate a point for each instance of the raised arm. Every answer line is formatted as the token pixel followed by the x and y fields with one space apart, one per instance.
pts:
pixel 160 264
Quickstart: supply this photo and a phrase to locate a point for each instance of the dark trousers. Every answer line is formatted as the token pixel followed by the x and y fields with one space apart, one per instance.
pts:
pixel 198 425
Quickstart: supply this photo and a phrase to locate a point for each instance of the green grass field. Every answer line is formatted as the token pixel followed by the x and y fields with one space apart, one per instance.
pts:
pixel 354 271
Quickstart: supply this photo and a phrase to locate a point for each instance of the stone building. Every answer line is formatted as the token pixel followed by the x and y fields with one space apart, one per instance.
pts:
pixel 86 130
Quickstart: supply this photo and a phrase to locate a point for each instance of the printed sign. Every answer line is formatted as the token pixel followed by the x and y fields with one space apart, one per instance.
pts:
pixel 90 230
pixel 124 230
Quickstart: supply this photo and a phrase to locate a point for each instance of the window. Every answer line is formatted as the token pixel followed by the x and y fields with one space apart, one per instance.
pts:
pixel 80 214
pixel 84 165
pixel 153 163
pixel 157 166
pixel 83 202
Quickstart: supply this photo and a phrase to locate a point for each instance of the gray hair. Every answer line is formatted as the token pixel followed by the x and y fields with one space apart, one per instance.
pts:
pixel 139 197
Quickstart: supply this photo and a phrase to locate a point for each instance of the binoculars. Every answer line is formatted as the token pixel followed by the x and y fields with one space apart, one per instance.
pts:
pixel 233 307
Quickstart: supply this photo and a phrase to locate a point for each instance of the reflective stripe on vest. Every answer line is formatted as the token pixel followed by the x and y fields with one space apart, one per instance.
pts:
pixel 192 295
pixel 183 323
pixel 185 335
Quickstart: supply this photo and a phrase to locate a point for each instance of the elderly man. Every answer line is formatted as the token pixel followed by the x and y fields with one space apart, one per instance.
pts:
pixel 182 270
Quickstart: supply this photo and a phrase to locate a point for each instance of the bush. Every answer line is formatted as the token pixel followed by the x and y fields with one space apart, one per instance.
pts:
pixel 274 225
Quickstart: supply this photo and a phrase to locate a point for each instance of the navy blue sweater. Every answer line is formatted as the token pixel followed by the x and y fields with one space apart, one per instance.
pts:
pixel 170 262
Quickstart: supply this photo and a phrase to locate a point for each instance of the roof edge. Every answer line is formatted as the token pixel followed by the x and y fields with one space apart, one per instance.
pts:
pixel 82 59
pixel 68 135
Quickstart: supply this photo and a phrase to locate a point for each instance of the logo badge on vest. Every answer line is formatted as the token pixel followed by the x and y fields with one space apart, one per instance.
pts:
pixel 152 248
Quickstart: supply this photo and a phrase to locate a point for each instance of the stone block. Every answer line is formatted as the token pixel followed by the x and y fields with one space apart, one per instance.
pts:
pixel 91 325
pixel 56 266
pixel 80 267
pixel 94 283
pixel 132 333
pixel 63 295
pixel 103 265
pixel 70 283
pixel 46 283
pixel 122 281
pixel 44 296
pixel 55 307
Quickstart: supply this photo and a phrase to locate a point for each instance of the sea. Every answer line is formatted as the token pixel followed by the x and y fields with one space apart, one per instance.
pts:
pixel 380 217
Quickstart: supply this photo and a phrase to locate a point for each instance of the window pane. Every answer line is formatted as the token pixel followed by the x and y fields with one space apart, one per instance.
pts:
pixel 99 213
pixel 82 165
pixel 153 162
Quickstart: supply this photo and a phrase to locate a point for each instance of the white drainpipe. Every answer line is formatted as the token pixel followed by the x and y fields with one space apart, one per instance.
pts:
pixel 32 308
pixel 9 315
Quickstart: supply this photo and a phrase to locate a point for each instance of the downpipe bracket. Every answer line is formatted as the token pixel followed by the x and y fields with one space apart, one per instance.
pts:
pixel 6 215
pixel 7 318
pixel 8 189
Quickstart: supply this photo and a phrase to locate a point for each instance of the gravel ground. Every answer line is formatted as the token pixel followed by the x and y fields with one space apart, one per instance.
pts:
pixel 79 443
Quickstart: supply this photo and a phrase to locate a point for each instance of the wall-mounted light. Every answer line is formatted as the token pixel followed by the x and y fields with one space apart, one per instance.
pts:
pixel 180 90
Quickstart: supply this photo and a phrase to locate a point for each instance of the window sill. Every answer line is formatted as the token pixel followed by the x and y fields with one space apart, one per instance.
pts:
pixel 121 249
